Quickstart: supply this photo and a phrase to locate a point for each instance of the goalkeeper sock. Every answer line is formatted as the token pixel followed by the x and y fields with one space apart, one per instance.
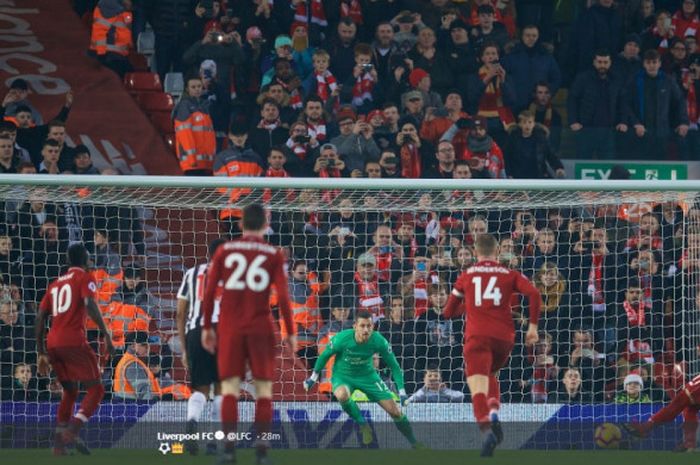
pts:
pixel 65 408
pixel 404 426
pixel 672 410
pixel 494 397
pixel 351 408
pixel 90 402
pixel 263 415
pixel 195 405
pixel 481 411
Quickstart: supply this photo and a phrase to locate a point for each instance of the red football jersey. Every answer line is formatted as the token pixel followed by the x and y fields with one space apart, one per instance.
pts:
pixel 487 288
pixel 65 301
pixel 246 269
pixel 692 388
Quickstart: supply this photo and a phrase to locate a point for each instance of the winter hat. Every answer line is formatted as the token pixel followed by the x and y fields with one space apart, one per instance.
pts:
pixel 346 113
pixel 373 113
pixel 283 40
pixel 633 38
pixel 633 378
pixel 417 76
pixel 458 24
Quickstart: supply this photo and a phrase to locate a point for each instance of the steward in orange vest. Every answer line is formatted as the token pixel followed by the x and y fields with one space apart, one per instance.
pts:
pixel 195 139
pixel 133 379
pixel 111 28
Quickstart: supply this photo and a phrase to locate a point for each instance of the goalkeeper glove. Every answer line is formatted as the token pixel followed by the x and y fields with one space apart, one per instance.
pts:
pixel 403 397
pixel 308 384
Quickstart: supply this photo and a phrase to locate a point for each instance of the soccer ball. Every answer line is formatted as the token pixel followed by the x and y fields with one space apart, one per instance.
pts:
pixel 607 436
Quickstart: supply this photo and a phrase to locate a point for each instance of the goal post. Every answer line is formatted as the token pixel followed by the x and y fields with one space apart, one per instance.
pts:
pixel 617 264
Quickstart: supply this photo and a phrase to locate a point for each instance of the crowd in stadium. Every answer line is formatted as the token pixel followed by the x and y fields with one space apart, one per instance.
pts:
pixel 398 89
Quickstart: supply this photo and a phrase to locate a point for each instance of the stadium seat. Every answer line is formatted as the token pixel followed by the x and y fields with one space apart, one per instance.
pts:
pixel 174 84
pixel 162 122
pixel 140 82
pixel 139 62
pixel 146 43
pixel 152 102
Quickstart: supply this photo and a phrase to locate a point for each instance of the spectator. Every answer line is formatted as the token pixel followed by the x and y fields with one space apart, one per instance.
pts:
pixel 658 37
pixel 172 37
pixel 641 322
pixel 276 161
pixel 237 160
pixel 445 157
pixel 269 130
pixel 544 372
pixel 413 105
pixel 398 329
pixel 361 87
pixel 275 91
pixel 367 291
pixel 329 164
pixel 304 290
pixel 675 63
pixel 558 306
pixel 82 161
pixel 415 155
pixel 587 360
pixel 537 12
pixel 24 387
pixel 300 62
pixel 16 339
pixel 355 142
pixel 570 391
pixel 8 163
pixel 686 21
pixel 434 390
pixel 342 48
pixel 639 16
pixel 224 49
pixel 134 291
pixel 388 254
pixel 459 51
pixel 416 283
pixel 19 154
pixel 483 153
pixel 627 63
pixel 546 114
pixel 219 97
pixel 389 162
pixel 487 30
pixel 656 106
pixel 381 133
pixel 424 55
pixel 599 27
pixel 528 154
pixel 437 121
pixel 10 262
pixel 195 140
pixel 290 82
pixel 528 63
pixel 108 271
pixel 596 108
pixel 322 82
pixel 50 153
pixel 407 23
pixel 490 93
pixel 132 377
pixel 632 393
pixel 20 90
pixel 111 39
pixel 317 123
pixel 385 51
pixel 300 147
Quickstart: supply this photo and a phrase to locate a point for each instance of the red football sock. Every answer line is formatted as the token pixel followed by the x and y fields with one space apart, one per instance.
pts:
pixel 672 410
pixel 229 413
pixel 263 418
pixel 90 402
pixel 494 397
pixel 690 426
pixel 481 411
pixel 65 408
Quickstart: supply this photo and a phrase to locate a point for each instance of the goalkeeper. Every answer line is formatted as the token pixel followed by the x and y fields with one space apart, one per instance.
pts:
pixel 353 369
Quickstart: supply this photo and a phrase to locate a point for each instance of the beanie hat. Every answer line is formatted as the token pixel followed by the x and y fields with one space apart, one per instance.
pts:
pixel 633 38
pixel 345 113
pixel 417 76
pixel 634 378
pixel 283 41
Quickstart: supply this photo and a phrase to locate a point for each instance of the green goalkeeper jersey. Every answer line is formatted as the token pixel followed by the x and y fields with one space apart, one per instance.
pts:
pixel 354 361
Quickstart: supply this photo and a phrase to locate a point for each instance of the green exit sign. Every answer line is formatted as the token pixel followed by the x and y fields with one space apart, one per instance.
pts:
pixel 640 171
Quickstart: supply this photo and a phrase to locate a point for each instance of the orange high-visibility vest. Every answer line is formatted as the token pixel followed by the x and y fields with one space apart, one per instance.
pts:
pixel 124 318
pixel 111 35
pixel 122 388
pixel 306 315
pixel 195 139
pixel 233 163
pixel 107 285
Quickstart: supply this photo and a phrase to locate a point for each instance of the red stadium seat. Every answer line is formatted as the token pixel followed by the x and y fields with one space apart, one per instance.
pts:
pixel 152 102
pixel 139 62
pixel 162 122
pixel 140 82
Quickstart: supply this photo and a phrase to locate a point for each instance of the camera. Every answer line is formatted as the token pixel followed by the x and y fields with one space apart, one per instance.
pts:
pixel 465 123
pixel 366 67
pixel 391 160
pixel 216 36
pixel 301 139
pixel 331 163
pixel 422 267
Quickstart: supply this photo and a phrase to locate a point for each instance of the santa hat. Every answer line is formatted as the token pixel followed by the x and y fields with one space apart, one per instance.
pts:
pixel 417 76
pixel 633 378
pixel 374 113
pixel 295 25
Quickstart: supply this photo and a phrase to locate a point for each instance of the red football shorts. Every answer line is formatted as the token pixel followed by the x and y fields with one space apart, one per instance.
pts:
pixel 484 355
pixel 76 363
pixel 259 350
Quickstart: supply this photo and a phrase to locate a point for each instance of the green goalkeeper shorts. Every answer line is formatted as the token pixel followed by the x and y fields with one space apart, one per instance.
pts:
pixel 374 388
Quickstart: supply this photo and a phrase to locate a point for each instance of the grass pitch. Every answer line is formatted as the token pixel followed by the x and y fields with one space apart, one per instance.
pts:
pixel 357 457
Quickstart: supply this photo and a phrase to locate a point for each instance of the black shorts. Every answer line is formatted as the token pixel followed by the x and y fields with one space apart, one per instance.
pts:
pixel 202 364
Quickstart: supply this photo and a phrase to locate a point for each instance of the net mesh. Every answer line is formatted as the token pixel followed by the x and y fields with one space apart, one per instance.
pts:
pixel 618 272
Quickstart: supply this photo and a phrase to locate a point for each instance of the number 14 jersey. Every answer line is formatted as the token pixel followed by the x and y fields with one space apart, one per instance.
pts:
pixel 486 288
pixel 65 302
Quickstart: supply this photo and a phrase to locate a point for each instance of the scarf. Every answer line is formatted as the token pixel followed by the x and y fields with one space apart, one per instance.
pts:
pixel 546 120
pixel 318 14
pixel 645 281
pixel 295 100
pixel 329 195
pixel 683 26
pixel 491 102
pixel 362 90
pixel 551 296
pixel 638 350
pixel 273 173
pixel 384 265
pixel 269 126
pixel 298 148
pixel 317 130
pixel 410 161
pixel 369 296
pixel 595 280
pixel 420 293
pixel 635 316
pixel 352 9
pixel 691 96
pixel 663 45
pixel 324 83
